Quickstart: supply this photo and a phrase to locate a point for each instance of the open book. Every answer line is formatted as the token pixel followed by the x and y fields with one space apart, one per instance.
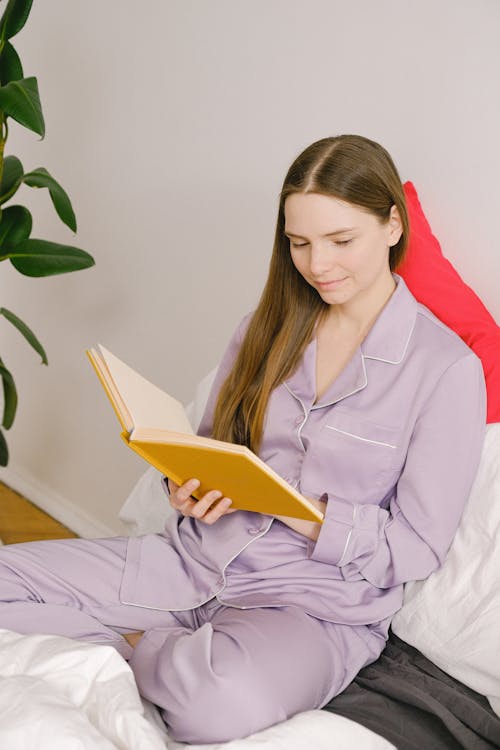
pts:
pixel 156 426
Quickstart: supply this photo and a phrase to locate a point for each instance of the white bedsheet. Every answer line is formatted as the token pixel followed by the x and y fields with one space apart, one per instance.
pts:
pixel 60 694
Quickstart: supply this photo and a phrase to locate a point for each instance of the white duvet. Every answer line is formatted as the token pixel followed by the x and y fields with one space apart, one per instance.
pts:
pixel 59 694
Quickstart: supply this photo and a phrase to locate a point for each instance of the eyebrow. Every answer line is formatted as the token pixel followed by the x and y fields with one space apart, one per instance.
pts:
pixel 329 234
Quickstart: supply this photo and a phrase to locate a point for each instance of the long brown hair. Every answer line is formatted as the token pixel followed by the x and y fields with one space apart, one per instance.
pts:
pixel 351 168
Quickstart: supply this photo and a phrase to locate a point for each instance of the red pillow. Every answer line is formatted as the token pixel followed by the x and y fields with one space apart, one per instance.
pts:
pixel 436 284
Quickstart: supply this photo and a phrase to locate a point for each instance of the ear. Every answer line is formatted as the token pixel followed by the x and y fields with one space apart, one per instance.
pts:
pixel 394 227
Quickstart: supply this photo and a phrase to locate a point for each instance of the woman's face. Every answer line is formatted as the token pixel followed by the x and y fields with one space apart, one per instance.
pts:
pixel 340 249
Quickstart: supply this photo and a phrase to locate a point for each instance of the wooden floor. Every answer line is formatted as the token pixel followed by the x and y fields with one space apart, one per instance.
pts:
pixel 21 521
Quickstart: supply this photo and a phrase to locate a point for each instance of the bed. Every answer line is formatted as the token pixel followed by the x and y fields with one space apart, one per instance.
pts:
pixel 437 683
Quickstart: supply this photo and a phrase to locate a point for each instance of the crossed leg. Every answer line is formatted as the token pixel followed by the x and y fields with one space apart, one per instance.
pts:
pixel 241 671
pixel 216 672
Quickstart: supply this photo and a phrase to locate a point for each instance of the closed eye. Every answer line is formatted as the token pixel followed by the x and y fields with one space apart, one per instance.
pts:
pixel 339 243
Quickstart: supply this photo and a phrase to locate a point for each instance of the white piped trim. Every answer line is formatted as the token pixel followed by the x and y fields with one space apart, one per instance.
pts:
pixel 346 395
pixel 392 361
pixel 305 416
pixel 354 511
pixel 358 437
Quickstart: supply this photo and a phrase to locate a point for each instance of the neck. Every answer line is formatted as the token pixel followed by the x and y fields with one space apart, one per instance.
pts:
pixel 358 315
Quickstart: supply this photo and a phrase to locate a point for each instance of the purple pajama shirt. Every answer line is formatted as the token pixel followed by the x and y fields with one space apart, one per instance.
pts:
pixel 247 621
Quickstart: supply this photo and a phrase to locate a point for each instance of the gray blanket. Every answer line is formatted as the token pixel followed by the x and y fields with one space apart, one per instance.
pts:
pixel 408 700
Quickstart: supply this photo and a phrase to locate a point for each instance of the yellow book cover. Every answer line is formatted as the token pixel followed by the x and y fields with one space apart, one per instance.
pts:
pixel 156 427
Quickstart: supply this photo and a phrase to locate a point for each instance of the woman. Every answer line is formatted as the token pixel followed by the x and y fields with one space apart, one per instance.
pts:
pixel 356 395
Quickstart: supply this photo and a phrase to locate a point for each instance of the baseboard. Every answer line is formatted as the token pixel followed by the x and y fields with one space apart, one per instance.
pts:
pixel 60 508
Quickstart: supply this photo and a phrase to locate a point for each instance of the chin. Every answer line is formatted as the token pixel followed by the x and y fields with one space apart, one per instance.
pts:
pixel 335 297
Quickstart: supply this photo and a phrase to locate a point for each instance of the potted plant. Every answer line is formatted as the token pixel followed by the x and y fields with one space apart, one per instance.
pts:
pixel 20 102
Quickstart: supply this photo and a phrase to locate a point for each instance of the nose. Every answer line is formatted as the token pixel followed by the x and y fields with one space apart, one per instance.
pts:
pixel 319 260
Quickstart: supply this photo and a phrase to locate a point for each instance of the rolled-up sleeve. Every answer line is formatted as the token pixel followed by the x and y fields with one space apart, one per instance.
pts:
pixel 410 539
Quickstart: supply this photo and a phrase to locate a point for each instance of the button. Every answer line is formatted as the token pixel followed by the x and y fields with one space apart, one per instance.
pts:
pixel 299 421
pixel 253 530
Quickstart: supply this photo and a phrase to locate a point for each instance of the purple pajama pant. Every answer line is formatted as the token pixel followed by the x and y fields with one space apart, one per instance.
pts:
pixel 216 672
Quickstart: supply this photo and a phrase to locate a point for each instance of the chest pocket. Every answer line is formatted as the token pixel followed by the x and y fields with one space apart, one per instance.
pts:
pixel 353 458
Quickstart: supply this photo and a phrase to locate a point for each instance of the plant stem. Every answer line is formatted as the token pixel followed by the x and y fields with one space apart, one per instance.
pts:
pixel 3 138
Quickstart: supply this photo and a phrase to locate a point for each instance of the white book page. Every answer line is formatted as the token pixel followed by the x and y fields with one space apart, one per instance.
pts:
pixel 148 405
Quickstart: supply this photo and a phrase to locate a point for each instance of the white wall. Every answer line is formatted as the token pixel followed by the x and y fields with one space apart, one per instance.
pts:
pixel 171 124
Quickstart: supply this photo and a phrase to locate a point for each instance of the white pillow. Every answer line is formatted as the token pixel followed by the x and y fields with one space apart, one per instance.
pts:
pixel 453 617
pixel 146 508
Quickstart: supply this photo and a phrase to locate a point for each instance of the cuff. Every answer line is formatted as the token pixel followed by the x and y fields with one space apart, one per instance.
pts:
pixel 335 532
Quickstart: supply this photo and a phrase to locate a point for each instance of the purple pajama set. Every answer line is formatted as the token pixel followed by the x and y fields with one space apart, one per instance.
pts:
pixel 248 622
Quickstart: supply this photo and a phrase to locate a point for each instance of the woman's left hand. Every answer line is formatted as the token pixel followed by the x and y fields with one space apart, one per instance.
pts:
pixel 310 529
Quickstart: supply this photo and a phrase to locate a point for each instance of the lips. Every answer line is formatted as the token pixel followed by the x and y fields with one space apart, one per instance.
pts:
pixel 330 284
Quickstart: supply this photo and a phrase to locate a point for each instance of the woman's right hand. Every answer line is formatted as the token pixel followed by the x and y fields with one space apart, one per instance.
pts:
pixel 207 509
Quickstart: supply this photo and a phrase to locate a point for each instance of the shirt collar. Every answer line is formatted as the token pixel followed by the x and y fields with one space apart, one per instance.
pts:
pixel 388 338
pixel 387 341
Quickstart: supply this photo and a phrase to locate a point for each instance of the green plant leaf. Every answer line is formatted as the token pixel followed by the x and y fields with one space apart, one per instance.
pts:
pixel 15 226
pixel 12 177
pixel 40 178
pixel 11 68
pixel 4 451
pixel 15 16
pixel 26 332
pixel 21 101
pixel 9 397
pixel 42 258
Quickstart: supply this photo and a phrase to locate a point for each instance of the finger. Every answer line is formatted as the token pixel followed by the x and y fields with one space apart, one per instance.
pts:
pixel 184 492
pixel 172 486
pixel 187 507
pixel 222 507
pixel 205 503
